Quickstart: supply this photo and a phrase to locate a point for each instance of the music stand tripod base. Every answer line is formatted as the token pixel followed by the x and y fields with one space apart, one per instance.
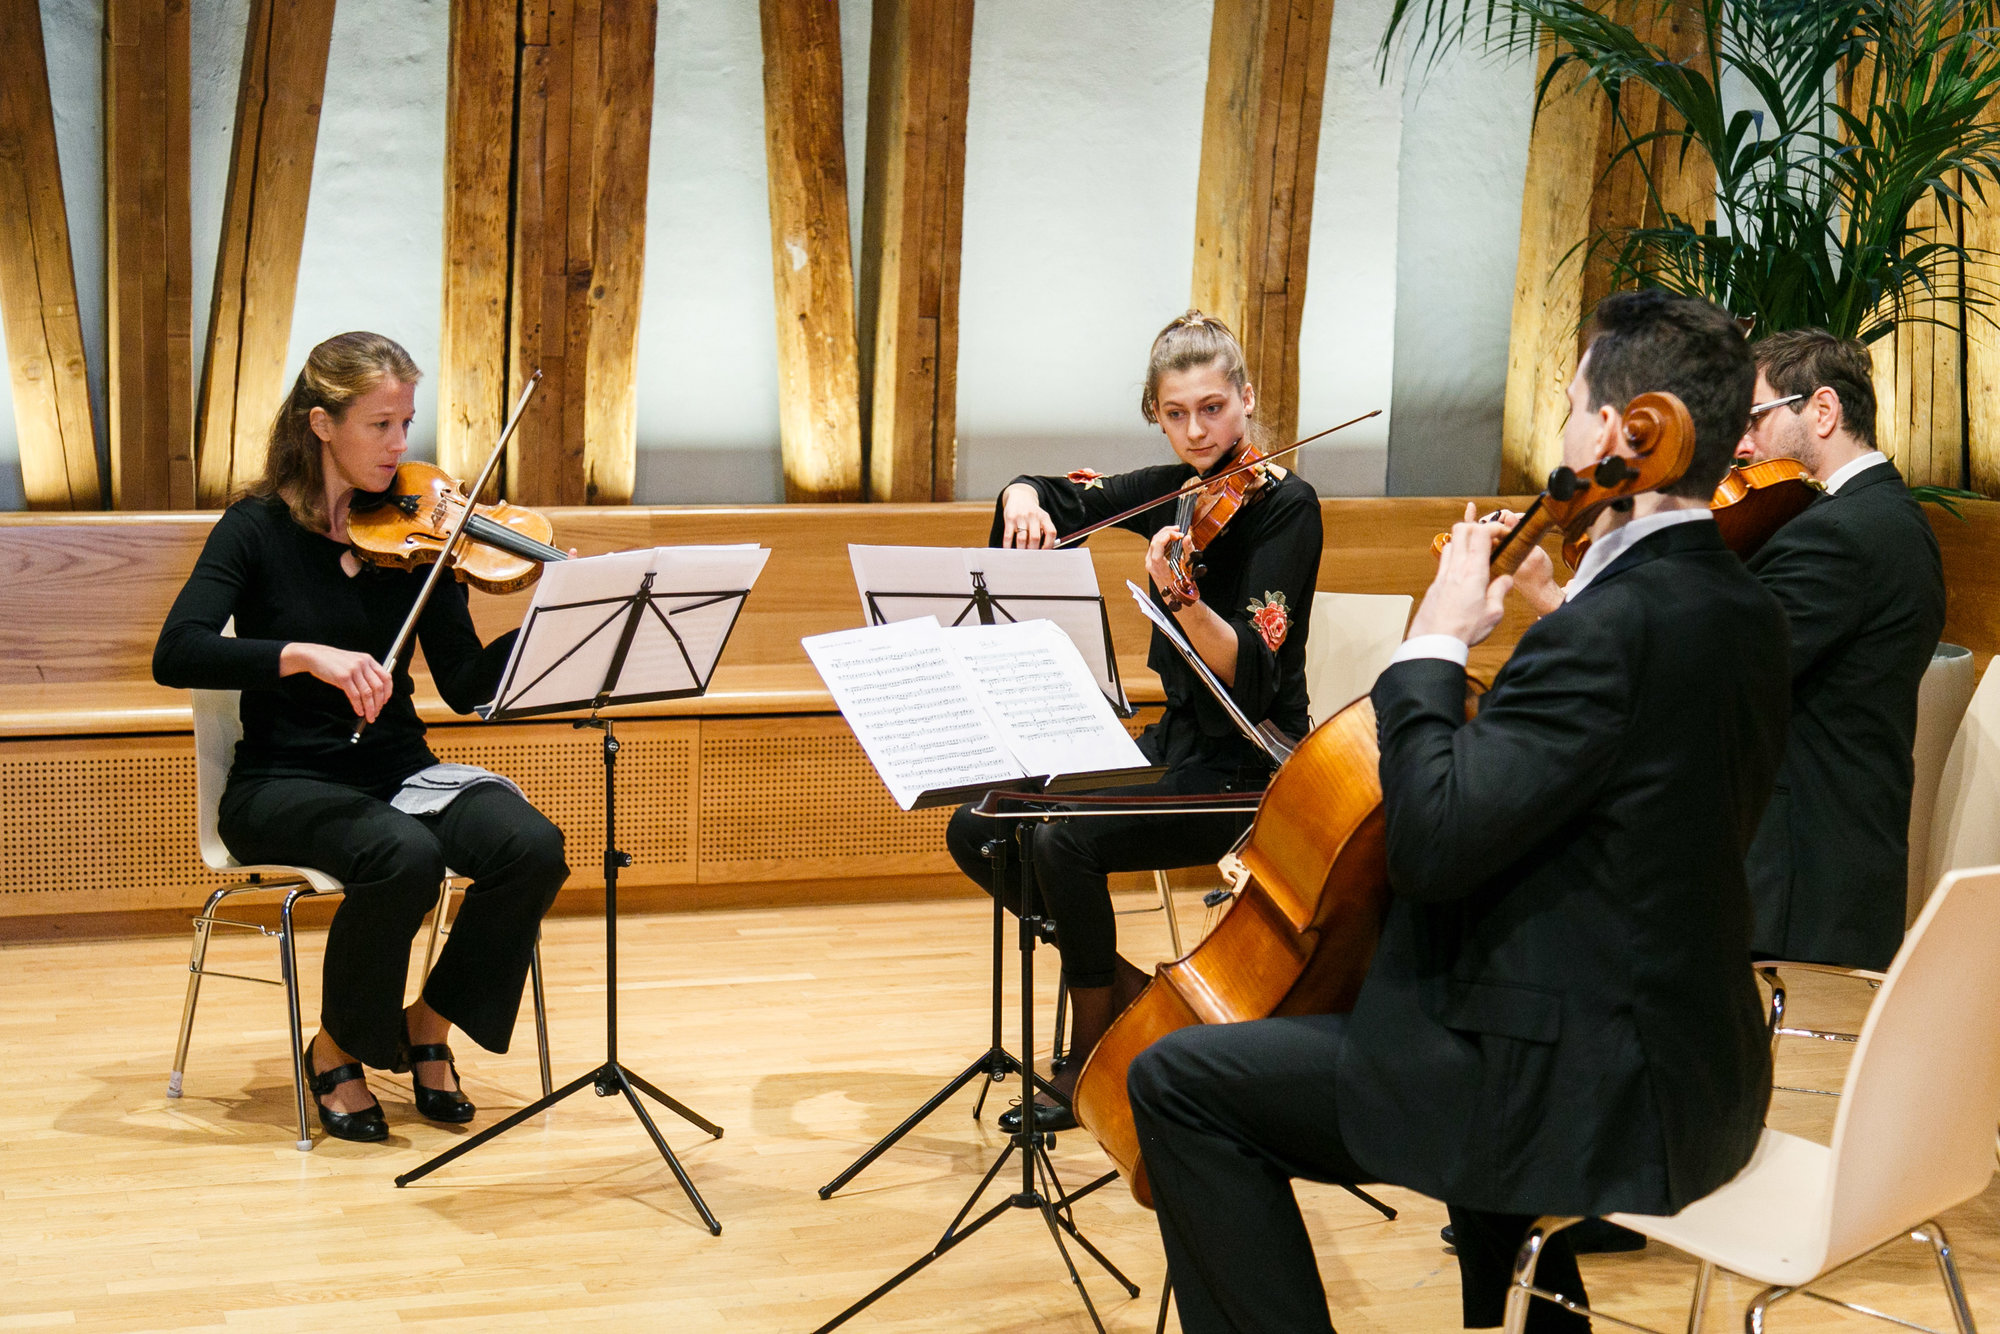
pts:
pixel 1041 1190
pixel 611 1077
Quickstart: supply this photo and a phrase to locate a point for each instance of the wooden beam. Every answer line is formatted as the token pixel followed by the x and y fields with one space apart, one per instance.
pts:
pixel 583 137
pixel 819 393
pixel 1574 193
pixel 1259 158
pixel 148 257
pixel 1920 418
pixel 919 71
pixel 52 415
pixel 621 141
pixel 472 331
pixel 1982 345
pixel 263 231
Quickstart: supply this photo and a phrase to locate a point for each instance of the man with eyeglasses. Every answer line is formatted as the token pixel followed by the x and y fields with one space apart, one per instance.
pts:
pixel 1860 579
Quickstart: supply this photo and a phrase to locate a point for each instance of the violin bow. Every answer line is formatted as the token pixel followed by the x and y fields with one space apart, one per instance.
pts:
pixel 1196 483
pixel 444 559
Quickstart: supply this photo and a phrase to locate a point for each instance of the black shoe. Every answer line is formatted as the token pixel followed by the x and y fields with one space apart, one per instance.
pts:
pixel 1049 1118
pixel 448 1105
pixel 1593 1236
pixel 367 1126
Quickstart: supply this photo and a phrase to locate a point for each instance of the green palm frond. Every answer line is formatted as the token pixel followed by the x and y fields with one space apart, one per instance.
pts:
pixel 1859 113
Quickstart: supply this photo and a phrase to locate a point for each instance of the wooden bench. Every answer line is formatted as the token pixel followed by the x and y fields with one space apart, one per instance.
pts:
pixel 755 793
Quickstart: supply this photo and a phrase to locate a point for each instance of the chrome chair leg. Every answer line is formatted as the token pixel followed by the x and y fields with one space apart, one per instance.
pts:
pixel 197 956
pixel 541 1015
pixel 1777 1015
pixel 1961 1311
pixel 288 962
pixel 1522 1291
pixel 1167 902
pixel 1700 1302
pixel 438 916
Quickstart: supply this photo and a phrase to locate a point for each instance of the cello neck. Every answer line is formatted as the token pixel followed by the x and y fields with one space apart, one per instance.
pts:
pixel 1522 538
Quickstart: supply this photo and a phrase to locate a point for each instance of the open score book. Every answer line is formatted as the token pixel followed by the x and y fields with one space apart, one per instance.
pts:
pixel 945 714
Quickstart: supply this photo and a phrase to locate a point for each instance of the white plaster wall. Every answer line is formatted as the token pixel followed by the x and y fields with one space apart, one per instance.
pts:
pixel 1083 147
pixel 1083 142
pixel 1464 159
pixel 374 245
pixel 1347 346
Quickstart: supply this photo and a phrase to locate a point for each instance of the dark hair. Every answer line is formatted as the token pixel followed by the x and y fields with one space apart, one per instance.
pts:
pixel 1805 361
pixel 337 372
pixel 1659 341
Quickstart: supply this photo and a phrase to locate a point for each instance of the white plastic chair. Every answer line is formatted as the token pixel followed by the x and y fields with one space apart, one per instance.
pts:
pixel 1954 812
pixel 1913 1138
pixel 217 728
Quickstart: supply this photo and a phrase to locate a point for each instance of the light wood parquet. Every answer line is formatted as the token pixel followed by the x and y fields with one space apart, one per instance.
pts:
pixel 807 1032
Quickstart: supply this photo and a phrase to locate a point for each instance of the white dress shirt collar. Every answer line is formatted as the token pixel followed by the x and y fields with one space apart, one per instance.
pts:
pixel 1615 543
pixel 1848 470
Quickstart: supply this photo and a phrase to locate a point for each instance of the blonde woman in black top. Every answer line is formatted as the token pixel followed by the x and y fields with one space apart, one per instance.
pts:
pixel 311 623
pixel 1248 625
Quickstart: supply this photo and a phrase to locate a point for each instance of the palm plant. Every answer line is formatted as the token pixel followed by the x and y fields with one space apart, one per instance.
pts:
pixel 1868 110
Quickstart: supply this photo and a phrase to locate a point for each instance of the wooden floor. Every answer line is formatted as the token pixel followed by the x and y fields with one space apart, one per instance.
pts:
pixel 807 1033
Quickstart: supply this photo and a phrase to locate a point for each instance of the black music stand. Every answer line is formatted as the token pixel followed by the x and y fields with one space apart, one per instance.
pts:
pixel 996 1062
pixel 596 636
pixel 1041 1190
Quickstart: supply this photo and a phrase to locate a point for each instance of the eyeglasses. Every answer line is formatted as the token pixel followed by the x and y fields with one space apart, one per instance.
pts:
pixel 1759 409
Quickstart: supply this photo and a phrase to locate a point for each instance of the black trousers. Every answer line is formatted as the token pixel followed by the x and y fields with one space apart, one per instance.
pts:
pixel 392 864
pixel 1072 860
pixel 1228 1116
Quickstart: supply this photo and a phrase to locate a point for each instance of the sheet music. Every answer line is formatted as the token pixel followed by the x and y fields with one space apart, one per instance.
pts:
pixel 1049 708
pixel 691 592
pixel 912 708
pixel 909 582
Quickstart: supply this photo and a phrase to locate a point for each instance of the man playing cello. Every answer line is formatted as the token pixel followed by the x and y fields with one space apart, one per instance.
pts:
pixel 1558 1019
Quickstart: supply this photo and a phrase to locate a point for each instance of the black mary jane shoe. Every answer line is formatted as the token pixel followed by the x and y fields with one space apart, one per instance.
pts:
pixel 1049 1118
pixel 450 1106
pixel 367 1126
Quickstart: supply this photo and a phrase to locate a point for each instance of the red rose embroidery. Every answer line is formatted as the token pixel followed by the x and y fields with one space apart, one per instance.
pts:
pixel 1273 618
pixel 1087 478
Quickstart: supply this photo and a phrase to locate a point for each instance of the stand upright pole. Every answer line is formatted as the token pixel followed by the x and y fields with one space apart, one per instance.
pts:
pixel 610 1077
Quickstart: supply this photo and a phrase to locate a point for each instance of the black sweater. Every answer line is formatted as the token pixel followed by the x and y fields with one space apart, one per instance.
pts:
pixel 285 584
pixel 1272 547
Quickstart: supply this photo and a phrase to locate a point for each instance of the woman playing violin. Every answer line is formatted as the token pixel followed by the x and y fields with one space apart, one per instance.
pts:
pixel 311 624
pixel 1248 624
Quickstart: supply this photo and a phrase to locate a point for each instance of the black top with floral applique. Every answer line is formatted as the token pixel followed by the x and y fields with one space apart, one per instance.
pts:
pixel 1260 577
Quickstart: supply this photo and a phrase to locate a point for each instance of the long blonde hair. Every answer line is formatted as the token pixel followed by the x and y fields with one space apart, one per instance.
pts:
pixel 1188 341
pixel 337 372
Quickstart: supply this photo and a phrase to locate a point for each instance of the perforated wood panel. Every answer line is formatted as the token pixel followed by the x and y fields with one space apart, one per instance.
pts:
pixel 89 825
pixel 561 768
pixel 795 797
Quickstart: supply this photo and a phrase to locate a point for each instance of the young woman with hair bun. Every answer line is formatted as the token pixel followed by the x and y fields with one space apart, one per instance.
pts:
pixel 312 622
pixel 1248 625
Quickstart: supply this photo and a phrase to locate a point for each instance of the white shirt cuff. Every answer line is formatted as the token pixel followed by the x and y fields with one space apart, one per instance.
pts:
pixel 1449 647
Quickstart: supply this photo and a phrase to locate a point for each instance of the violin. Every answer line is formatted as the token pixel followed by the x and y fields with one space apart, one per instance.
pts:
pixel 430 524
pixel 1204 512
pixel 411 523
pixel 1753 502
pixel 1299 936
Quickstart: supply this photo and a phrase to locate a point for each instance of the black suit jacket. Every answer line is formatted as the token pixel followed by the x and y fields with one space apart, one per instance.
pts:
pixel 1559 1019
pixel 1860 580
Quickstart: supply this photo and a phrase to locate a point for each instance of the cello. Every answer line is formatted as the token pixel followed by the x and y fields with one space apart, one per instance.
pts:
pixel 1300 934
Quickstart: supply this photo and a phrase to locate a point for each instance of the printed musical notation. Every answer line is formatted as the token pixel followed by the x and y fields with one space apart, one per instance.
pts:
pixel 939 709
